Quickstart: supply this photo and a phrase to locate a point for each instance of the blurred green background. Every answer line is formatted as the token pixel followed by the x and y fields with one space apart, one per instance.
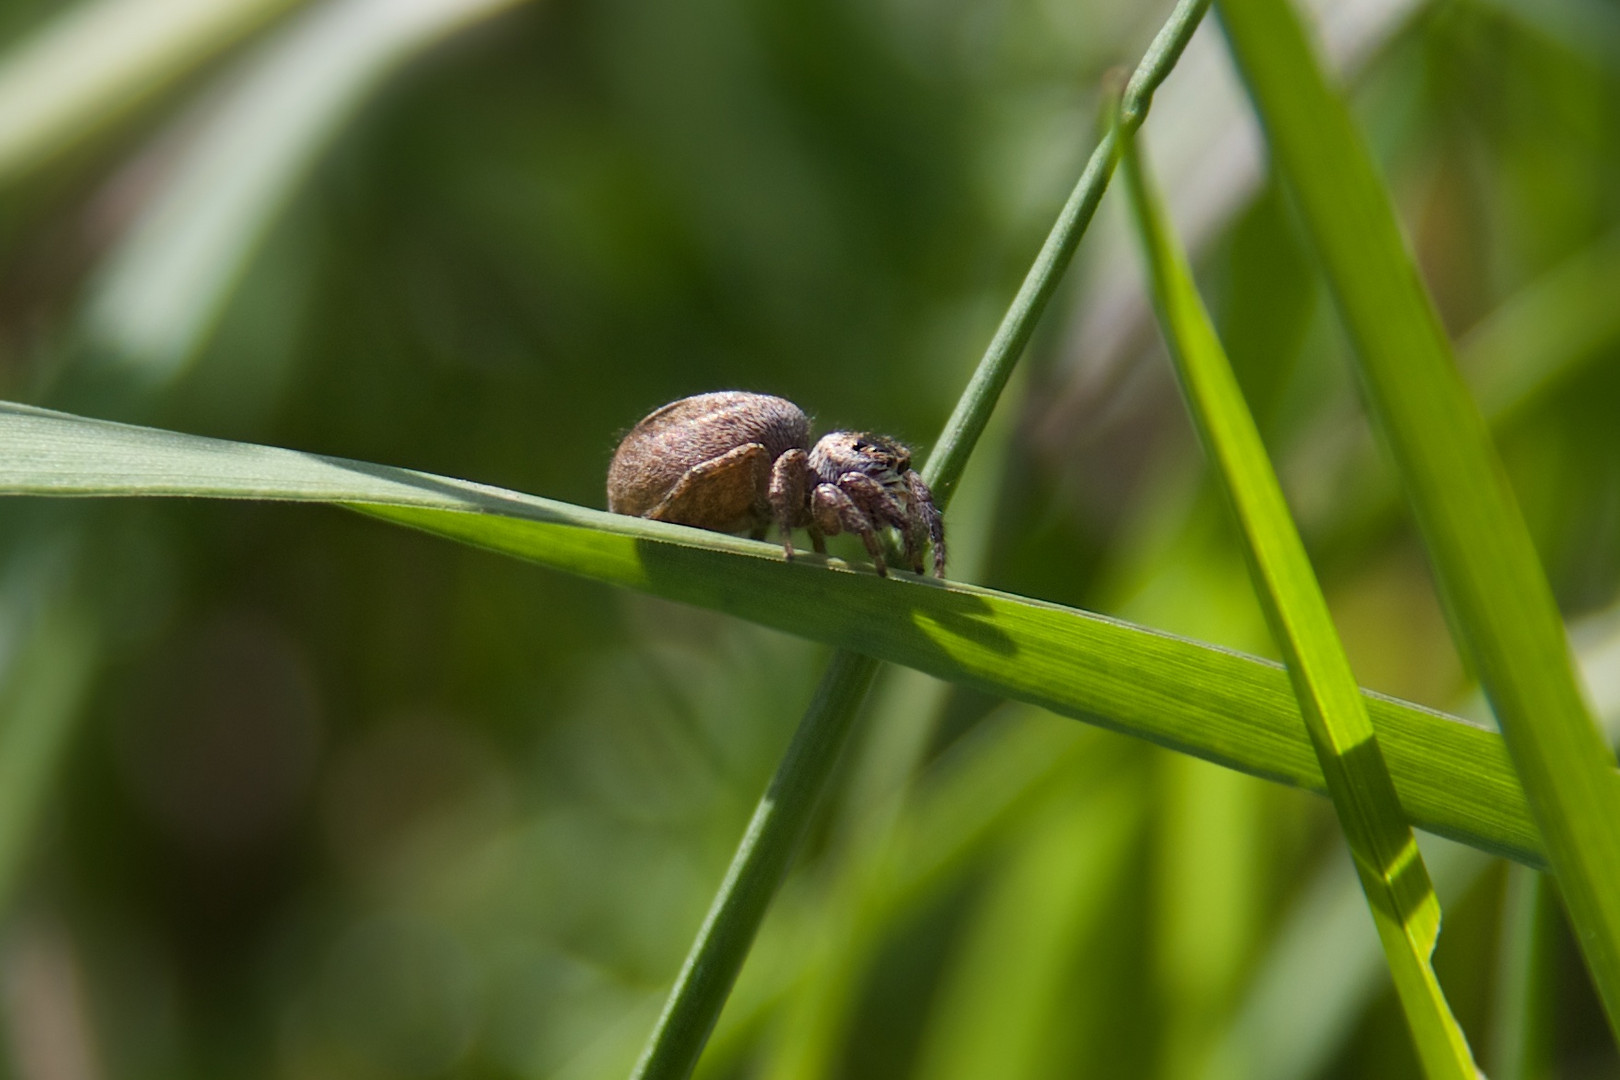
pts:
pixel 287 793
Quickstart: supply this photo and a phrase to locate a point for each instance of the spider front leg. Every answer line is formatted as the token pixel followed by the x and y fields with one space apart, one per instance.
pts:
pixel 883 506
pixel 833 512
pixel 925 515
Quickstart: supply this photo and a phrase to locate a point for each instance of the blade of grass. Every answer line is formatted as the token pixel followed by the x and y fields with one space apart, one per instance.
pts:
pixel 1287 1023
pixel 1495 592
pixel 1393 876
pixel 1453 777
pixel 1291 1023
pixel 983 791
pixel 767 847
pixel 972 412
pixel 711 965
pixel 1279 1033
pixel 902 721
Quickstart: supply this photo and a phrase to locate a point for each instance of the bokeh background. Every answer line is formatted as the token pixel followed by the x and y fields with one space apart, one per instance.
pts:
pixel 285 792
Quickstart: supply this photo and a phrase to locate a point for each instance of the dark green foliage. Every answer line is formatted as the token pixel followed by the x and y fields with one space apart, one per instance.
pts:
pixel 289 791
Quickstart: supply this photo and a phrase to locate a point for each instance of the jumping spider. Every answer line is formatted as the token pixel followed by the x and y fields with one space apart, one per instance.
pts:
pixel 733 461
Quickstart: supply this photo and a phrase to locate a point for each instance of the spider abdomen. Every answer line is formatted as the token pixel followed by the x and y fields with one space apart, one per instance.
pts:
pixel 713 433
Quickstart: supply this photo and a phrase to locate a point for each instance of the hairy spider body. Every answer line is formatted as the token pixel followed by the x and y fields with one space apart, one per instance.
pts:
pixel 706 460
pixel 733 461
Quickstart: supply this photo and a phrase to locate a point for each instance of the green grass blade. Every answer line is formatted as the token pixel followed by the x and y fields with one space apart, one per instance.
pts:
pixel 902 722
pixel 1453 778
pixel 1280 1032
pixel 676 1057
pixel 1501 608
pixel 762 858
pixel 972 412
pixel 1393 875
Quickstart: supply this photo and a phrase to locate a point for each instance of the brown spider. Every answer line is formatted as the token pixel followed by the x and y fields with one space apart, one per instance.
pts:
pixel 733 461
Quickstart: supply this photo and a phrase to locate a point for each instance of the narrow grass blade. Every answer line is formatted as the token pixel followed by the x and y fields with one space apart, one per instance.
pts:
pixel 1393 876
pixel 1495 592
pixel 99 58
pixel 675 1058
pixel 1291 1023
pixel 987 789
pixel 972 412
pixel 1453 778
pixel 762 858
pixel 836 956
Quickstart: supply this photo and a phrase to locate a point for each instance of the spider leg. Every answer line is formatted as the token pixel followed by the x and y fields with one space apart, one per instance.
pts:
pixel 789 499
pixel 835 512
pixel 927 516
pixel 725 493
pixel 913 547
pixel 883 506
pixel 878 502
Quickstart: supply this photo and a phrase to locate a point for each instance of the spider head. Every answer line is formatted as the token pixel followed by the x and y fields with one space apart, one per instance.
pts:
pixel 841 452
pixel 862 483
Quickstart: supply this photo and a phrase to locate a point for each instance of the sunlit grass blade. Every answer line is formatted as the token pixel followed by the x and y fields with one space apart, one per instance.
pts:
pixel 98 58
pixel 1453 777
pixel 1495 592
pixel 1291 1023
pixel 1393 876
